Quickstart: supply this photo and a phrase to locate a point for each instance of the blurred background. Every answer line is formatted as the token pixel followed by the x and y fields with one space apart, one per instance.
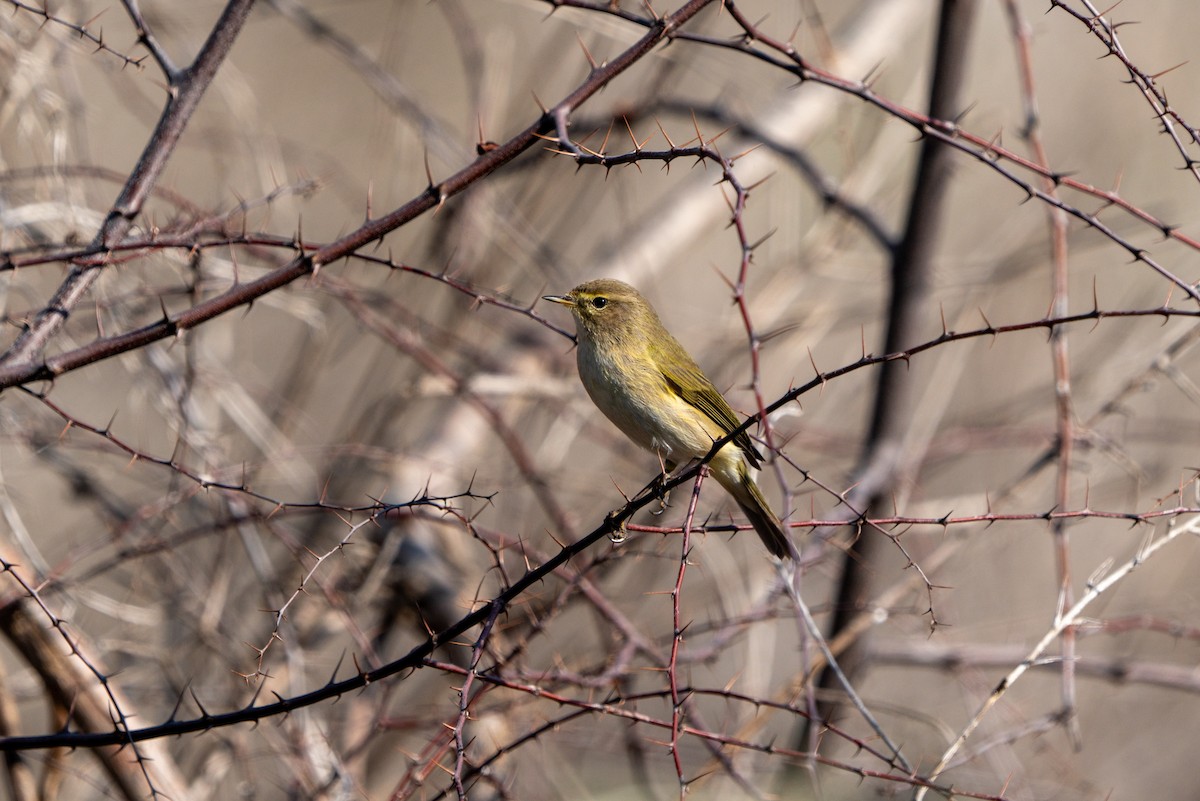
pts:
pixel 309 485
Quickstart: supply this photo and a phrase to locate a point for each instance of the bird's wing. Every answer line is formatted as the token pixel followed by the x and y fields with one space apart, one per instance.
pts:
pixel 707 399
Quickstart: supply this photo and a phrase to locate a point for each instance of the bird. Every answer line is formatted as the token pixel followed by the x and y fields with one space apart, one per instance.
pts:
pixel 645 382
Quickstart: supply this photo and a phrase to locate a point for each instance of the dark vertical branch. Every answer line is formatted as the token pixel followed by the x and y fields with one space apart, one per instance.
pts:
pixel 884 463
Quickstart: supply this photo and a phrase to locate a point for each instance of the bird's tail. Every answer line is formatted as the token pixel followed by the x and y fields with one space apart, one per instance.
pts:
pixel 750 498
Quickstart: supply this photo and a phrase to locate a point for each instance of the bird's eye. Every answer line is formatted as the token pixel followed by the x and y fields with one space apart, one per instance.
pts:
pixel 599 303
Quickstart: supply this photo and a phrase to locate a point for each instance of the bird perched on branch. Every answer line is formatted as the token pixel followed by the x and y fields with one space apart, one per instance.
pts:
pixel 647 384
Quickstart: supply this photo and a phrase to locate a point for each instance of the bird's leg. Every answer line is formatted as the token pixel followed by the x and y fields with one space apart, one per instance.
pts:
pixel 664 495
pixel 655 487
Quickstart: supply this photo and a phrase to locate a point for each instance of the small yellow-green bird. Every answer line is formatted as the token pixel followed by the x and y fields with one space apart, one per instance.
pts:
pixel 647 384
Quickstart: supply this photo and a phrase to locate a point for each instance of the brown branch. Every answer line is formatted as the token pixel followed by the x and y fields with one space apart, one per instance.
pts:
pixel 1060 357
pixel 76 685
pixel 186 90
pixel 1106 32
pixel 82 31
pixel 20 365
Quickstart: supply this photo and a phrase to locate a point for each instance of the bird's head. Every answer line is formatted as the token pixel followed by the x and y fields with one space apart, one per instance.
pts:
pixel 608 309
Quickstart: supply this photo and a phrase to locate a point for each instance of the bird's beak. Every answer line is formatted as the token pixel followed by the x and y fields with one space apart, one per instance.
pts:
pixel 565 300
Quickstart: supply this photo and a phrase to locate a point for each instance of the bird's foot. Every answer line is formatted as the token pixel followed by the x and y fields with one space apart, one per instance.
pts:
pixel 658 487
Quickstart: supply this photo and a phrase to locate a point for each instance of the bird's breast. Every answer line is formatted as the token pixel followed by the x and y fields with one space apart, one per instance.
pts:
pixel 631 392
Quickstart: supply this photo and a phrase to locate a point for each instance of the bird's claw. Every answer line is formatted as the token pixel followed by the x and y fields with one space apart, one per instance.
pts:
pixel 664 500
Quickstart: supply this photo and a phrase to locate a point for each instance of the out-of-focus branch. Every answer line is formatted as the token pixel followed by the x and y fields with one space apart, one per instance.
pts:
pixel 21 782
pixel 434 131
pixel 569 552
pixel 793 119
pixel 1106 32
pixel 1068 618
pixel 82 31
pixel 186 90
pixel 74 688
pixel 20 365
pixel 988 656
pixel 1061 359
pixel 107 736
pixel 886 462
pixel 148 40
